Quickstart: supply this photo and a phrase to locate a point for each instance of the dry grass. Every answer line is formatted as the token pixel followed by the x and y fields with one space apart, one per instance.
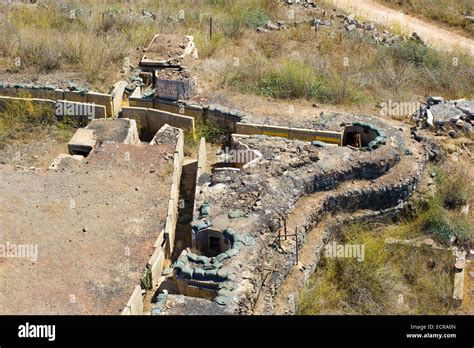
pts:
pixel 347 68
pixel 101 35
pixel 93 38
pixel 375 285
pixel 449 12
pixel 422 275
pixel 22 121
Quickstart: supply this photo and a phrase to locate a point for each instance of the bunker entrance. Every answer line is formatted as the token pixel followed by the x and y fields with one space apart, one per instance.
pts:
pixel 212 243
pixel 145 135
pixel 358 136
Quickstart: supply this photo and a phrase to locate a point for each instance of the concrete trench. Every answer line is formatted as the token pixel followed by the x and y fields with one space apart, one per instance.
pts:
pixel 319 224
pixel 377 187
pixel 374 186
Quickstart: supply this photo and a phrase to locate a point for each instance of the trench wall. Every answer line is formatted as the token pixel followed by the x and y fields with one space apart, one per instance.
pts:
pixel 201 167
pixel 329 137
pixel 152 119
pixel 164 243
pixel 95 110
pixel 109 101
pixel 378 196
pixel 231 119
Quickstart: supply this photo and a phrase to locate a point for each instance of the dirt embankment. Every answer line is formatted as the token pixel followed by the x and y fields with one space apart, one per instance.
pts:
pixel 431 33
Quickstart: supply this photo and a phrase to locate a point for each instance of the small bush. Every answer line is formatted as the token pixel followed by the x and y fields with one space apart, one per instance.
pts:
pixel 271 45
pixel 416 53
pixel 435 220
pixel 206 46
pixel 454 186
pixel 210 130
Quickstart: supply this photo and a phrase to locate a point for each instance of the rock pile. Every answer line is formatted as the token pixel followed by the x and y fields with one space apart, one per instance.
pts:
pixel 303 3
pixel 381 37
pixel 270 26
pixel 349 23
pixel 174 74
pixel 447 115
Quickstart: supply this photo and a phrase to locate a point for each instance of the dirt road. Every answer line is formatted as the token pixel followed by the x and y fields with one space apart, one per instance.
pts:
pixel 438 37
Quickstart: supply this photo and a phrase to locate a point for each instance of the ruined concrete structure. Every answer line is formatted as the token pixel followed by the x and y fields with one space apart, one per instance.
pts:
pixel 233 247
pixel 238 260
pixel 99 216
pixel 169 79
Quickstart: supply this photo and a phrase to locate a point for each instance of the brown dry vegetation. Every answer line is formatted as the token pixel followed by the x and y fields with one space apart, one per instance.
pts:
pixel 423 276
pixel 448 12
pixel 296 63
pixel 313 67
pixel 24 121
pixel 94 38
pixel 374 286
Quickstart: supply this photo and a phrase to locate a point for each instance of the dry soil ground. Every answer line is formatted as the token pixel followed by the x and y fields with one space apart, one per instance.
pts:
pixel 94 223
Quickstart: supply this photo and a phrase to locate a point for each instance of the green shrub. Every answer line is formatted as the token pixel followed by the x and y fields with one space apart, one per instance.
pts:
pixel 210 130
pixel 433 219
pixel 416 53
pixel 296 79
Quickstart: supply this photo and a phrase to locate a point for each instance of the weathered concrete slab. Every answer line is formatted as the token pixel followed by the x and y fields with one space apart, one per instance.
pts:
pixel 117 96
pixel 75 96
pixel 56 94
pixel 82 142
pixel 301 134
pixel 276 131
pixel 177 107
pixel 156 264
pixel 248 129
pixel 137 113
pixel 157 119
pixel 168 50
pixel 139 102
pixel 121 130
pixel 458 285
pixel 35 101
pixel 135 304
pixel 83 111
pixel 101 99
